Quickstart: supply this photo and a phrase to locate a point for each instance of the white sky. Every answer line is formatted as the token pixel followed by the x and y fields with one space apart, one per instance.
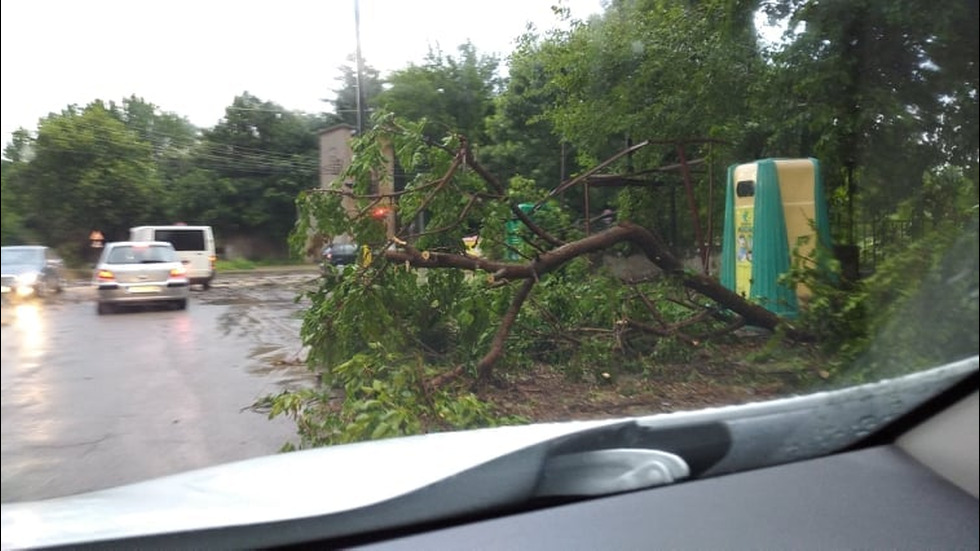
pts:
pixel 193 57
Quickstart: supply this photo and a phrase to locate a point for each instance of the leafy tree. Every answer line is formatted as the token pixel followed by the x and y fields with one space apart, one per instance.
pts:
pixel 345 100
pixel 86 170
pixel 169 134
pixel 881 92
pixel 450 93
pixel 173 140
pixel 16 156
pixel 652 70
pixel 11 227
pixel 405 338
pixel 406 333
pixel 250 168
pixel 523 141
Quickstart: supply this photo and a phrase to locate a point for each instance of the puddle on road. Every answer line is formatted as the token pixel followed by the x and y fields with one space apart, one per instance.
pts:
pixel 269 316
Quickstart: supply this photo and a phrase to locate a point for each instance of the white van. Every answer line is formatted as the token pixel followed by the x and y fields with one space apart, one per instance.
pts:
pixel 194 245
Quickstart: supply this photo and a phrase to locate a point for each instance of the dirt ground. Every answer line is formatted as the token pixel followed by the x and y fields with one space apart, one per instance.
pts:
pixel 545 394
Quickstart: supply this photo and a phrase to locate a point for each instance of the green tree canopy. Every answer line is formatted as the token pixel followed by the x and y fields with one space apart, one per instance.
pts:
pixel 345 99
pixel 249 169
pixel 450 92
pixel 86 170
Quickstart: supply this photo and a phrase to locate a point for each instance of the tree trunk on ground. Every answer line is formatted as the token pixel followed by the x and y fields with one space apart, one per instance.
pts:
pixel 530 272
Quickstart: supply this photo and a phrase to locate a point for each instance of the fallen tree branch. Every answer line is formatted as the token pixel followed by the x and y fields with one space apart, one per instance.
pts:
pixel 485 367
pixel 661 332
pixel 446 178
pixel 499 188
pixel 644 239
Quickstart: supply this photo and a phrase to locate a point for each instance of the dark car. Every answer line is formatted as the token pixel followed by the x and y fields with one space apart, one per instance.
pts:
pixel 31 270
pixel 339 254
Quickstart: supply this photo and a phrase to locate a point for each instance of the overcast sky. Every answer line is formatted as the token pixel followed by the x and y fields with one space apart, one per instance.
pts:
pixel 192 57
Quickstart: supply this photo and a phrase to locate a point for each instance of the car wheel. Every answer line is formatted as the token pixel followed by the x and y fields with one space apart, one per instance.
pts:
pixel 103 309
pixel 181 304
pixel 206 285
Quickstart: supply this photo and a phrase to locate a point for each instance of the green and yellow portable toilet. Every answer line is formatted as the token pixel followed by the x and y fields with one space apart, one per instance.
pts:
pixel 515 243
pixel 771 207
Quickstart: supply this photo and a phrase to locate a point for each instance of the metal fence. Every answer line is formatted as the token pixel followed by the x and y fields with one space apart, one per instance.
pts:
pixel 878 238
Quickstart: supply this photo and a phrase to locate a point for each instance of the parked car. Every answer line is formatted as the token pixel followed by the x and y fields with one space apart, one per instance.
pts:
pixel 139 272
pixel 339 254
pixel 31 270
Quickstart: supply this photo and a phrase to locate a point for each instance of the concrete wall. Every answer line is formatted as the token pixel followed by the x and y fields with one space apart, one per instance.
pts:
pixel 335 157
pixel 234 247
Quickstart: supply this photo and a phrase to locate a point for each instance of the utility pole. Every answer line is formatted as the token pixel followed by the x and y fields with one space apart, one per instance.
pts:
pixel 360 68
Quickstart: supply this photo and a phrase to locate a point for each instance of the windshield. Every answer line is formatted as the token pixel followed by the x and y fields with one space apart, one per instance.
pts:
pixel 138 254
pixel 18 257
pixel 436 216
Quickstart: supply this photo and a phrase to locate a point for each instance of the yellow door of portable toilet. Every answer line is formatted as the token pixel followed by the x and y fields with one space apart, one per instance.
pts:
pixel 744 225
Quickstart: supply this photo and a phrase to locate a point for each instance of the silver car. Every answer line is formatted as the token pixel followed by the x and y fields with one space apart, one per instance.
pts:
pixel 31 270
pixel 140 272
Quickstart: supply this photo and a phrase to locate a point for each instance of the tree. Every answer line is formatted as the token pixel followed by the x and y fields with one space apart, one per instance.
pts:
pixel 881 92
pixel 420 322
pixel 16 156
pixel 249 169
pixel 173 140
pixel 418 330
pixel 345 99
pixel 657 70
pixel 86 171
pixel 523 141
pixel 450 93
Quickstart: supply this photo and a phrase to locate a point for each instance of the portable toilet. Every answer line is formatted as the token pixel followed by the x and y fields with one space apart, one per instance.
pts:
pixel 515 243
pixel 771 205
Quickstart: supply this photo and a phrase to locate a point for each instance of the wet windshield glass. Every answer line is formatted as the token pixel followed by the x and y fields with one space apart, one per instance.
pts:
pixel 127 254
pixel 433 216
pixel 13 257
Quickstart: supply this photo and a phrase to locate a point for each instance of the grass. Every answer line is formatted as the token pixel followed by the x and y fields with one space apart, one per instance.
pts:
pixel 245 264
pixel 236 264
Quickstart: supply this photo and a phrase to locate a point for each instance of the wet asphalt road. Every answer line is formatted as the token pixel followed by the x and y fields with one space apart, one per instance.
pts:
pixel 90 402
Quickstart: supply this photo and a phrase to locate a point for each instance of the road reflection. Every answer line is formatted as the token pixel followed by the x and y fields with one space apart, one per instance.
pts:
pixel 29 324
pixel 184 329
pixel 95 401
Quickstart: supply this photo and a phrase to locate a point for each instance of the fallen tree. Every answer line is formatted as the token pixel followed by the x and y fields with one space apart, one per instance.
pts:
pixel 547 262
pixel 551 252
pixel 421 321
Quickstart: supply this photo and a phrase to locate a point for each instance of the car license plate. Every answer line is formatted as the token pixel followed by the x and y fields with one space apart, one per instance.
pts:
pixel 144 289
pixel 4 289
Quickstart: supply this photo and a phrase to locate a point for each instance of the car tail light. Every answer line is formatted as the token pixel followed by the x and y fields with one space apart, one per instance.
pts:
pixel 178 272
pixel 213 259
pixel 105 275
